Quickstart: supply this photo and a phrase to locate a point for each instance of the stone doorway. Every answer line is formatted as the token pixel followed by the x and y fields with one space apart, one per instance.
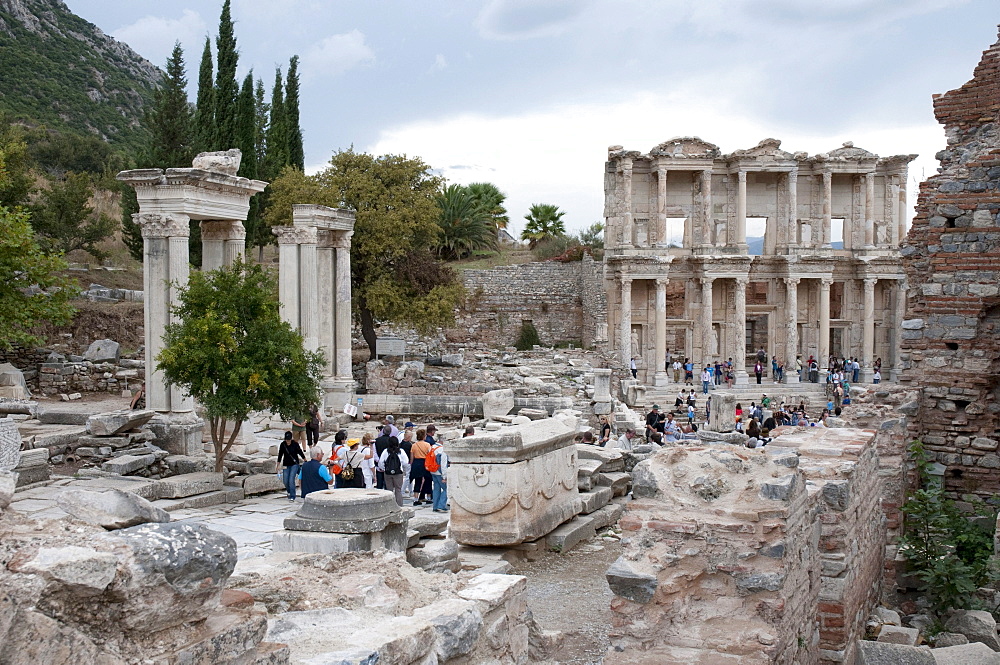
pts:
pixel 756 338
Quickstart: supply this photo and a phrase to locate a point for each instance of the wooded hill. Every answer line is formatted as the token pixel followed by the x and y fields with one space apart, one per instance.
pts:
pixel 59 70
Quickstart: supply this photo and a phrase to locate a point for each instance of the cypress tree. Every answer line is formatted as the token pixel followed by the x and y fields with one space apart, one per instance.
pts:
pixel 226 87
pixel 277 133
pixel 170 121
pixel 204 110
pixel 246 116
pixel 296 154
pixel 262 109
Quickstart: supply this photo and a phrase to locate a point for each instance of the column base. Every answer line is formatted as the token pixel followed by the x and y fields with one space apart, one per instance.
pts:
pixel 742 378
pixel 791 377
pixel 661 379
pixel 179 433
pixel 894 374
pixel 866 375
pixel 337 392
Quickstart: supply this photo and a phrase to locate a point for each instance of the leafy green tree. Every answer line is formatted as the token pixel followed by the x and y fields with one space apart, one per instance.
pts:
pixel 56 152
pixel 394 275
pixel 171 120
pixel 466 225
pixel 593 236
pixel 293 131
pixel 131 232
pixel 544 221
pixel 32 287
pixel 204 108
pixel 64 219
pixel 491 198
pixel 226 87
pixel 232 352
pixel 16 181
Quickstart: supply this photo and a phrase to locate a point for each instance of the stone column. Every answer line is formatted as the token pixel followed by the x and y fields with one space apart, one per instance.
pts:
pixel 902 210
pixel 793 203
pixel 791 327
pixel 740 324
pixel 868 331
pixel 660 357
pixel 288 272
pixel 308 294
pixel 706 208
pixel 661 205
pixel 342 321
pixel 625 328
pixel 824 327
pixel 627 230
pixel 236 243
pixel 707 307
pixel 326 302
pixel 897 319
pixel 165 260
pixel 221 243
pixel 827 208
pixel 741 211
pixel 869 210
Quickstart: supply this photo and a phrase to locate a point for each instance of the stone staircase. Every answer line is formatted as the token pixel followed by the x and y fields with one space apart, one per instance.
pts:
pixel 812 394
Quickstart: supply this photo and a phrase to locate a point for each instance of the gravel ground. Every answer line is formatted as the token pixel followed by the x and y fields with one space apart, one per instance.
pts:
pixel 568 592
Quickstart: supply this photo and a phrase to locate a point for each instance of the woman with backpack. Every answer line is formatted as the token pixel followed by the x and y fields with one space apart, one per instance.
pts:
pixel 351 459
pixel 339 441
pixel 436 464
pixel 418 471
pixel 291 457
pixel 393 464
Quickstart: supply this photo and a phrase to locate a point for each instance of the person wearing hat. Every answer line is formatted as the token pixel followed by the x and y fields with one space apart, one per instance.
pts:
pixel 654 420
pixel 354 456
pixel 290 456
pixel 314 475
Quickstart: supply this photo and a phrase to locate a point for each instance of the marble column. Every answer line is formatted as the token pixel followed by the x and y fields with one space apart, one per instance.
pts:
pixel 661 206
pixel 892 196
pixel 309 294
pixel 660 358
pixel 868 330
pixel 288 272
pixel 740 325
pixel 236 243
pixel 741 210
pixel 165 268
pixel 824 327
pixel 625 327
pixel 326 301
pixel 827 208
pixel 791 327
pixel 627 230
pixel 706 208
pixel 342 321
pixel 869 210
pixel 222 241
pixel 897 319
pixel 707 308
pixel 902 209
pixel 793 204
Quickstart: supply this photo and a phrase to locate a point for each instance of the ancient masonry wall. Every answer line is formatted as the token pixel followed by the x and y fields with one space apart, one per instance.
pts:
pixel 562 300
pixel 951 333
pixel 733 556
pixel 74 374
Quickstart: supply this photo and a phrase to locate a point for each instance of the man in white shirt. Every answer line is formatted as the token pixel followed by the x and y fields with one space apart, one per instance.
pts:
pixel 624 442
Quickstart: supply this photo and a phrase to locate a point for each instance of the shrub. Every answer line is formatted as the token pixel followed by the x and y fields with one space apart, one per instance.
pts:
pixel 529 337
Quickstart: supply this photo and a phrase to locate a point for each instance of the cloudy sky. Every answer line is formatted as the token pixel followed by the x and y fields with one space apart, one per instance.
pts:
pixel 529 94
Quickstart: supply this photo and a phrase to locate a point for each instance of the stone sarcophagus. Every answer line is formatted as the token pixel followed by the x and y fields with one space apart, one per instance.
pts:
pixel 513 485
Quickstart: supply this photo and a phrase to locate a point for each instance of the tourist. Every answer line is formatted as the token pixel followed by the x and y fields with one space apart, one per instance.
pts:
pixel 666 364
pixel 774 369
pixel 688 372
pixel 291 457
pixel 838 395
pixel 339 441
pixel 314 476
pixel 671 432
pixel 299 429
pixel 771 421
pixel 798 366
pixel 368 464
pixel 677 367
pixel 691 399
pixel 739 423
pixel 765 401
pixel 624 442
pixel 437 464
pixel 690 414
pixel 813 370
pixel 878 365
pixel 393 465
pixel 654 420
pixel 656 438
pixel 605 432
pixel 470 430
pixel 706 380
pixel 758 370
pixel 632 368
pixel 877 376
pixel 855 370
pixel 718 373
pixel 353 456
pixel 588 438
pixel 314 424
pixel 406 445
pixel 391 422
pixel 753 429
pixel 381 444
pixel 739 409
pixel 730 377
pixel 781 371
pixel 422 488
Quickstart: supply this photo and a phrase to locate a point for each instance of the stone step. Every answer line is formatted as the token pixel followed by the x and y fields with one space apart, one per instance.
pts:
pixel 595 500
pixel 435 556
pixel 319 543
pixel 214 498
pixel 607 516
pixel 189 484
pixel 260 483
pixel 620 482
pixel 570 534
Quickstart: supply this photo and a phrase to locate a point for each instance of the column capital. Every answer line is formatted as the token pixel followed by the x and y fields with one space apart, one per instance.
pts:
pixel 295 235
pixel 870 282
pixel 826 282
pixel 661 170
pixel 222 230
pixel 742 281
pixel 793 174
pixel 741 175
pixel 626 282
pixel 706 280
pixel 661 282
pixel 163 225
pixel 792 281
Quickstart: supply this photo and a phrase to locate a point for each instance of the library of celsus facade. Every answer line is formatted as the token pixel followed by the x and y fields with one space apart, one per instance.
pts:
pixel 716 256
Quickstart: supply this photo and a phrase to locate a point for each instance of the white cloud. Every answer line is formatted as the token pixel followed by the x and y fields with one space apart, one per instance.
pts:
pixel 154 36
pixel 337 54
pixel 556 155
pixel 440 63
pixel 508 20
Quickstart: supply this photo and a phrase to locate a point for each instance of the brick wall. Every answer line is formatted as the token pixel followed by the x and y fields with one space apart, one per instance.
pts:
pixel 951 336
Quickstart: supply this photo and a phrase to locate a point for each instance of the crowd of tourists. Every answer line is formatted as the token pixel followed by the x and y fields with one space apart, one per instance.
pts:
pixel 411 463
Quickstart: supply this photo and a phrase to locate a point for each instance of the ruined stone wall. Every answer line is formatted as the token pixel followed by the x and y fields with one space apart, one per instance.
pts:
pixel 73 374
pixel 951 335
pixel 549 294
pixel 595 303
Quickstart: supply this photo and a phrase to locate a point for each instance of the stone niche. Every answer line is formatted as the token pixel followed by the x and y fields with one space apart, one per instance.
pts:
pixel 513 485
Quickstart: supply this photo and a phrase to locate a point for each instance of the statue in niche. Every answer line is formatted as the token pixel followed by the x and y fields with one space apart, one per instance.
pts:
pixel 714 342
pixel 635 344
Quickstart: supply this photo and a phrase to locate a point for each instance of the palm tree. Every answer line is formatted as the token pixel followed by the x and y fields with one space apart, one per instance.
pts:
pixel 492 200
pixel 544 221
pixel 465 224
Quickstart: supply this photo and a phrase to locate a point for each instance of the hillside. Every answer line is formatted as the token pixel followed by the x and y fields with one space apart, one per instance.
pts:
pixel 62 71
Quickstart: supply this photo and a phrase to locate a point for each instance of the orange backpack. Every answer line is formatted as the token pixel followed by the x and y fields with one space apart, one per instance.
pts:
pixel 431 462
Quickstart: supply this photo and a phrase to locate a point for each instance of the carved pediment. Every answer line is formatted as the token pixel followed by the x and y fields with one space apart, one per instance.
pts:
pixel 686 147
pixel 768 148
pixel 847 153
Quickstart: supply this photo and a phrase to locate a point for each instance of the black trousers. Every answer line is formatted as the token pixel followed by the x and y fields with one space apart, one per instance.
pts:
pixel 312 435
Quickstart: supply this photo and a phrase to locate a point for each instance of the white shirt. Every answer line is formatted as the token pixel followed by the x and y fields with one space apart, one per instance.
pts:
pixel 623 442
pixel 404 461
